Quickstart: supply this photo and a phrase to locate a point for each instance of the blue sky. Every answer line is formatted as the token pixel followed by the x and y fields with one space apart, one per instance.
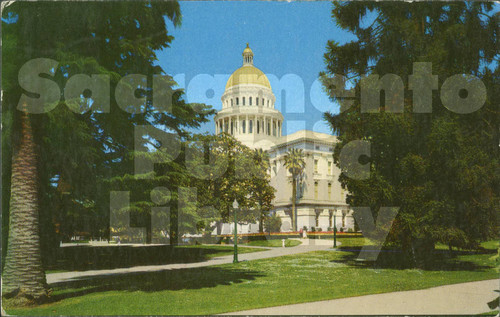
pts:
pixel 287 38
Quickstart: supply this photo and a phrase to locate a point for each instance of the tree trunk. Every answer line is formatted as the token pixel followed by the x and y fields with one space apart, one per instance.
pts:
pixel 24 276
pixel 261 222
pixel 219 228
pixel 294 198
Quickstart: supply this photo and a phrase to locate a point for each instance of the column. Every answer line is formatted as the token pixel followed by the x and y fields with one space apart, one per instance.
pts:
pixel 254 126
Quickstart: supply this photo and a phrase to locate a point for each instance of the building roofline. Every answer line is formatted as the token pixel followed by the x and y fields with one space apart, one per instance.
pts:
pixel 305 135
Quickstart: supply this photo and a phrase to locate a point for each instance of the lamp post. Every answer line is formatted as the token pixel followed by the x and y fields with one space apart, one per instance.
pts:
pixel 235 207
pixel 335 228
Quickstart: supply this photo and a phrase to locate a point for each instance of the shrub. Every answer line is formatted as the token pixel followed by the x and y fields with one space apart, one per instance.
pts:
pixel 318 229
pixel 329 229
pixel 349 230
pixel 341 229
pixel 304 228
pixel 313 229
pixel 272 223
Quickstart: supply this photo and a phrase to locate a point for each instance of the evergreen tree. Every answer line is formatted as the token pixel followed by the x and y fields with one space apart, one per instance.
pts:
pixel 76 148
pixel 438 166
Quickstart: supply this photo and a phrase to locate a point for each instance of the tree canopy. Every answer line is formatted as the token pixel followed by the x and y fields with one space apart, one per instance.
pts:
pixel 81 141
pixel 439 166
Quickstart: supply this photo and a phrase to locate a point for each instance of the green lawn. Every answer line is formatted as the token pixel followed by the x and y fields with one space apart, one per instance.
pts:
pixel 291 279
pixel 274 243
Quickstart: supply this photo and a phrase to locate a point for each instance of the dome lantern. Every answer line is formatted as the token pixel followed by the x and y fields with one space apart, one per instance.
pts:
pixel 247 56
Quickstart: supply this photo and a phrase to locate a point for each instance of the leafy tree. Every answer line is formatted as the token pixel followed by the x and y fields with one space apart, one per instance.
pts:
pixel 438 166
pixel 294 161
pixel 261 190
pixel 224 169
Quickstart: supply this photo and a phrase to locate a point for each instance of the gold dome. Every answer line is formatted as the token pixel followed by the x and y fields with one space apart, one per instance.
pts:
pixel 248 75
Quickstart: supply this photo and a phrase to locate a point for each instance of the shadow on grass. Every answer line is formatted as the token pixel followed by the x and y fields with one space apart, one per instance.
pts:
pixel 82 258
pixel 178 279
pixel 439 260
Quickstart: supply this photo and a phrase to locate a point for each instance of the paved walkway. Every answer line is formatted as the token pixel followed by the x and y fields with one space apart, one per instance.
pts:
pixel 307 245
pixel 463 298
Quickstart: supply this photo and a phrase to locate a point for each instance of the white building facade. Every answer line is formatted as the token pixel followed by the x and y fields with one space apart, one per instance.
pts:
pixel 249 115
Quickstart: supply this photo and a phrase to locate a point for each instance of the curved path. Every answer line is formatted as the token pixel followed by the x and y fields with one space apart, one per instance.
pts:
pixel 307 245
pixel 455 299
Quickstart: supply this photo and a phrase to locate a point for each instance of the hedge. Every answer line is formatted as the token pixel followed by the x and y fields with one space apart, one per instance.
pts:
pixel 328 234
pixel 261 236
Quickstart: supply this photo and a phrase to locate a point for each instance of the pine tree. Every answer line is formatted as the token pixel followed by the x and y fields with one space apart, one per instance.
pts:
pixel 76 149
pixel 438 166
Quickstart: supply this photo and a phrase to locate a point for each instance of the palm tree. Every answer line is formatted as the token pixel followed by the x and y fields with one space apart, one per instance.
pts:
pixel 262 158
pixel 294 161
pixel 23 274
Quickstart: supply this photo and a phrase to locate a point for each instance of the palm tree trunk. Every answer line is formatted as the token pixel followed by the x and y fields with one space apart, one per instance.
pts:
pixel 294 198
pixel 23 275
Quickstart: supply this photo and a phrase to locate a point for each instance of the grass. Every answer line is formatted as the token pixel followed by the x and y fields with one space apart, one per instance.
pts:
pixel 284 280
pixel 491 313
pixel 274 243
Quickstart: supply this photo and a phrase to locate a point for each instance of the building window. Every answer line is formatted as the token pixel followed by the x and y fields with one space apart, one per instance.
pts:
pixel 250 126
pixel 237 101
pixel 268 128
pixel 244 126
pixel 317 147
pixel 329 191
pixel 249 101
pixel 232 127
pixel 268 103
pixel 315 166
pixel 258 127
pixel 329 168
pixel 274 128
pixel 256 101
pixel 262 101
pixel 330 149
pixel 243 100
pixel 315 190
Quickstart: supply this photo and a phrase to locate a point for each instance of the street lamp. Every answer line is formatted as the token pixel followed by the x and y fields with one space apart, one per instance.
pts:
pixel 335 228
pixel 235 207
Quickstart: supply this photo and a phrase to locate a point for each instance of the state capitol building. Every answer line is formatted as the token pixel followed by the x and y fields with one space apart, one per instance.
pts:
pixel 248 114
